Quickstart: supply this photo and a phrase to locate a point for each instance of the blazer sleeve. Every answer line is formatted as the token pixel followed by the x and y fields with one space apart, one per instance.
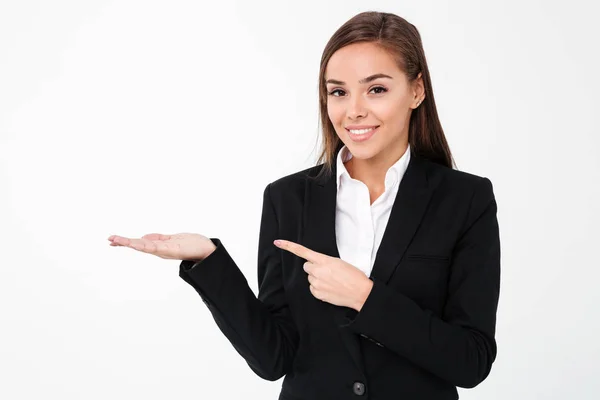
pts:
pixel 260 328
pixel 460 346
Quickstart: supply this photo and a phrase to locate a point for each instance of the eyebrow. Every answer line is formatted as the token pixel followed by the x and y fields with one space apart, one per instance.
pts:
pixel 364 80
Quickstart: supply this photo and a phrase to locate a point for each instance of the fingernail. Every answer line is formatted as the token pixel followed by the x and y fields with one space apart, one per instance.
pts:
pixel 277 242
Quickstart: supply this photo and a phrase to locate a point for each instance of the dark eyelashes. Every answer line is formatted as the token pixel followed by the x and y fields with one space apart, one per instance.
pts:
pixel 376 87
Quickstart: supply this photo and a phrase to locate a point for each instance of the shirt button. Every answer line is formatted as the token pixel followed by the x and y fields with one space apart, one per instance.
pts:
pixel 358 388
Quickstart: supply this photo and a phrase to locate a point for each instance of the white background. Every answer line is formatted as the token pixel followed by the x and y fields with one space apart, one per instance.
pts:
pixel 131 117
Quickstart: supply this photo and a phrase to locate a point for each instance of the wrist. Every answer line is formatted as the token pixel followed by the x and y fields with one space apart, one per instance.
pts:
pixel 363 294
pixel 211 249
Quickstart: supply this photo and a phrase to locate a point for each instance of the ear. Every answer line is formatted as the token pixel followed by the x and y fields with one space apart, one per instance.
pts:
pixel 418 89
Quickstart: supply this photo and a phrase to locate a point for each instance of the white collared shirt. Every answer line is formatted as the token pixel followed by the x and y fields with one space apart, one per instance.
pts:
pixel 359 225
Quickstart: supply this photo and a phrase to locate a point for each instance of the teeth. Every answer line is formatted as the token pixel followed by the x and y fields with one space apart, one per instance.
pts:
pixel 360 131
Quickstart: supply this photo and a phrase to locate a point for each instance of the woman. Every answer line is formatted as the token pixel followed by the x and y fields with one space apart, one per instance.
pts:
pixel 385 283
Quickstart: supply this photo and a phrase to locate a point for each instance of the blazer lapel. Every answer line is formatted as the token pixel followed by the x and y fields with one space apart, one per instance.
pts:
pixel 319 233
pixel 407 212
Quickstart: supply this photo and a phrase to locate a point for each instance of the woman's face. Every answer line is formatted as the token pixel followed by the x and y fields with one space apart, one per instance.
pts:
pixel 384 102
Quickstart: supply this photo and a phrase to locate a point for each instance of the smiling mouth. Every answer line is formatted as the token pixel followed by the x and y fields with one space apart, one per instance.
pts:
pixel 361 135
pixel 362 131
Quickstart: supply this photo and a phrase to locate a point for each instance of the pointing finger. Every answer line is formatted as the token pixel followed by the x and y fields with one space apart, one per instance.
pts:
pixel 300 251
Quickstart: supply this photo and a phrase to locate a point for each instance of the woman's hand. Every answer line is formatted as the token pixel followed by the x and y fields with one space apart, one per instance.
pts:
pixel 181 246
pixel 332 279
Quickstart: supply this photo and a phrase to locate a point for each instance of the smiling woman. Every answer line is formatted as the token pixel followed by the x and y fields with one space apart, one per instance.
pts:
pixel 378 268
pixel 382 103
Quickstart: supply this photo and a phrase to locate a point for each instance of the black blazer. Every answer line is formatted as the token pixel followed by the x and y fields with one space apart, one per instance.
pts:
pixel 428 324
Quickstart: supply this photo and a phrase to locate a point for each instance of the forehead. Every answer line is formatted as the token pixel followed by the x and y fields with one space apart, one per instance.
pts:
pixel 359 60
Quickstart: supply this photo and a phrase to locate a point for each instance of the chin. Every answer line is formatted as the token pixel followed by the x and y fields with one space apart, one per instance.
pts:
pixel 362 152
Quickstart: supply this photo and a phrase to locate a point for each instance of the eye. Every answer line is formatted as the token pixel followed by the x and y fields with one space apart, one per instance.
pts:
pixel 380 87
pixel 335 91
pixel 383 90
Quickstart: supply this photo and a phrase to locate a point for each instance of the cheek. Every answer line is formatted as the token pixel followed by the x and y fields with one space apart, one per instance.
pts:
pixel 335 113
pixel 331 110
pixel 392 114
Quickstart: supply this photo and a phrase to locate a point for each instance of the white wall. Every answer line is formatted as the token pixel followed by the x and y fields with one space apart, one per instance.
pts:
pixel 126 117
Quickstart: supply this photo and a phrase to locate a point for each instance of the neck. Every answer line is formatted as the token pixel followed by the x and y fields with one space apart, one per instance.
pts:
pixel 372 171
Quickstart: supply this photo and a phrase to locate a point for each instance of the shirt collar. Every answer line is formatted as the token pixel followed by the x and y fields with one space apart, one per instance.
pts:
pixel 392 176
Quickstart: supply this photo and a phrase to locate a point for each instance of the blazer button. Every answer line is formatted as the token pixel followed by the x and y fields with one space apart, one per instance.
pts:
pixel 358 388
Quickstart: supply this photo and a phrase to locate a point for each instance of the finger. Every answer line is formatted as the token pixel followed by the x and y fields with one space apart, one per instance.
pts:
pixel 316 293
pixel 301 251
pixel 119 240
pixel 156 236
pixel 309 268
pixel 312 280
pixel 112 238
pixel 144 245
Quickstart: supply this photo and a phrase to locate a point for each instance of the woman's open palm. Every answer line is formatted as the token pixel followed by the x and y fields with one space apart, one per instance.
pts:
pixel 180 246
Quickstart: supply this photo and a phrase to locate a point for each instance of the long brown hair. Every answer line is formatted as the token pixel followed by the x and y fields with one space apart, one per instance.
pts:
pixel 402 41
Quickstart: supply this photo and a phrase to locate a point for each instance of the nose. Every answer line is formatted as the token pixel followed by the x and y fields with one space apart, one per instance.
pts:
pixel 356 108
